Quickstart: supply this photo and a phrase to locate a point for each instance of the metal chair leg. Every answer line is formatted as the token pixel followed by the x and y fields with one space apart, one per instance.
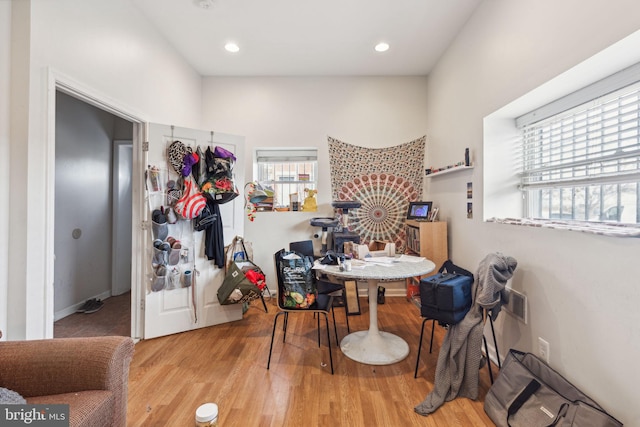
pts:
pixel 433 329
pixel 273 334
pixel 284 325
pixel 264 303
pixel 487 314
pixel 415 373
pixel 326 321
pixel 486 350
pixel 495 343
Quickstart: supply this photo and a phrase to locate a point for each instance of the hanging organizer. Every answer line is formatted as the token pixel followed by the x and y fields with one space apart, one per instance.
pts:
pixel 173 244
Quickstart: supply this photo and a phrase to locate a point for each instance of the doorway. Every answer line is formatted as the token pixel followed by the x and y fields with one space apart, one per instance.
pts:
pixel 93 211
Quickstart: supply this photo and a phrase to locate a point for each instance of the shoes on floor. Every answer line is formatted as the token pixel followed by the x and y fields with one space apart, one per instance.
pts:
pixel 90 306
pixel 95 306
pixel 86 305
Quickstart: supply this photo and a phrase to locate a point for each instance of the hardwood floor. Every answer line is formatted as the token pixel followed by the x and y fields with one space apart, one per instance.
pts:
pixel 226 364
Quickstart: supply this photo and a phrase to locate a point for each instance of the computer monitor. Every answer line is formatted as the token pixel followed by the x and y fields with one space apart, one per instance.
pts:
pixel 419 211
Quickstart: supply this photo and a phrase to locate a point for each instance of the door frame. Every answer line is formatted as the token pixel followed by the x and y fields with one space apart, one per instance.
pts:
pixel 56 81
pixel 120 241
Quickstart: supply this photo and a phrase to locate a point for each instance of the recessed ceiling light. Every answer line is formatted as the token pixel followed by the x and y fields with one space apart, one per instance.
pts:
pixel 232 47
pixel 382 47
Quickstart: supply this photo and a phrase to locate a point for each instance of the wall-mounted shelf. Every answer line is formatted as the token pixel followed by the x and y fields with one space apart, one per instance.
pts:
pixel 450 170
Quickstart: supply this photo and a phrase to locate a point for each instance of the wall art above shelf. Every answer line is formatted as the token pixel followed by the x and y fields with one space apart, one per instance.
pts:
pixel 445 171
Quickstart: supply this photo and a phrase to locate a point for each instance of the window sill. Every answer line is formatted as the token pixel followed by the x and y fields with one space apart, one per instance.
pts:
pixel 602 228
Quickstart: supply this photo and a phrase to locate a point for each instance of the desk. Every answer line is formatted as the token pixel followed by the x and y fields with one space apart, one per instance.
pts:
pixel 373 346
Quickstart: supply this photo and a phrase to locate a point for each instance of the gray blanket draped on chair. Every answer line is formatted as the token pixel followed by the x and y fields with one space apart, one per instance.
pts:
pixel 461 351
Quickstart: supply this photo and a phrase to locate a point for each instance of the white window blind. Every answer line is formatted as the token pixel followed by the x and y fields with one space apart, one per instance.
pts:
pixel 282 155
pixel 580 155
pixel 598 142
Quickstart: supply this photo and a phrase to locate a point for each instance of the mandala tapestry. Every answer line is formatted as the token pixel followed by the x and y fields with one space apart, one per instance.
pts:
pixel 384 180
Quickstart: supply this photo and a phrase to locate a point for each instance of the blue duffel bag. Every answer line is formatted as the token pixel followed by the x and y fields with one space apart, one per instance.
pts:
pixel 445 297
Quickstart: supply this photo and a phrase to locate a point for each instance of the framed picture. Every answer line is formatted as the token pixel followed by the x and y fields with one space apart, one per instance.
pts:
pixel 419 211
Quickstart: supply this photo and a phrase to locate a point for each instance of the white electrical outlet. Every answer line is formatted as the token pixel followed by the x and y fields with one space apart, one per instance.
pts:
pixel 543 349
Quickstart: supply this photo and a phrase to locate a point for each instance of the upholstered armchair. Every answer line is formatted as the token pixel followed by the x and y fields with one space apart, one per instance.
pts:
pixel 89 374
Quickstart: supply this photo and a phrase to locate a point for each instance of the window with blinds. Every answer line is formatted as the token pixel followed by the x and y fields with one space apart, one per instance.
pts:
pixel 287 171
pixel 581 154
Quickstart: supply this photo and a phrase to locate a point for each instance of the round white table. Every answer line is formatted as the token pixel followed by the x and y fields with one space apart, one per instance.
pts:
pixel 373 346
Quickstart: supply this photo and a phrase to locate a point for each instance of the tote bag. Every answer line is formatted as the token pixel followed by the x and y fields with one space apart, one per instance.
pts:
pixel 528 393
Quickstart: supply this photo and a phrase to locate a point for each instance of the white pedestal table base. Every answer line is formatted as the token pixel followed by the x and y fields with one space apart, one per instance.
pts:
pixel 374 348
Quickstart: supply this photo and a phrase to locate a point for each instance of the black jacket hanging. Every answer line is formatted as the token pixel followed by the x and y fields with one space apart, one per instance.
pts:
pixel 214 237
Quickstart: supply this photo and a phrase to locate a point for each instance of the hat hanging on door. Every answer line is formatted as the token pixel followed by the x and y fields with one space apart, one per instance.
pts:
pixel 176 153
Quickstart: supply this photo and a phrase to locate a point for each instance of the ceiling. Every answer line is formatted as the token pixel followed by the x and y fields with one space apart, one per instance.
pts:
pixel 309 38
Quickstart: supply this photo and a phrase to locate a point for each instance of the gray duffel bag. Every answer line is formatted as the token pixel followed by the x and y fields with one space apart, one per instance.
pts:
pixel 528 393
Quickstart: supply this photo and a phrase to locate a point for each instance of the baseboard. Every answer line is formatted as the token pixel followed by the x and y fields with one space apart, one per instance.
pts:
pixel 61 314
pixel 390 292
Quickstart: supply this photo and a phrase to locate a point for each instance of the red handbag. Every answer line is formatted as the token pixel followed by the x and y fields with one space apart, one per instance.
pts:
pixel 192 201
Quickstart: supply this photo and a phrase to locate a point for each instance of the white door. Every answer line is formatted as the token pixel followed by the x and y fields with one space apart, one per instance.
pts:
pixel 177 308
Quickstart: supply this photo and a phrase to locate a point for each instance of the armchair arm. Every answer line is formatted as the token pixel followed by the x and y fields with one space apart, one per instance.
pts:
pixel 65 365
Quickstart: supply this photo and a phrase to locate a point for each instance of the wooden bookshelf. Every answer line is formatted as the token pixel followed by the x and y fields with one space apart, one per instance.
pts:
pixel 429 240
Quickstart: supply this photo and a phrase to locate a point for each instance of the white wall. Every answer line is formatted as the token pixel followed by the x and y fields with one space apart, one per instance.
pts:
pixel 5 63
pixel 281 112
pixel 17 271
pixel 108 49
pixel 582 288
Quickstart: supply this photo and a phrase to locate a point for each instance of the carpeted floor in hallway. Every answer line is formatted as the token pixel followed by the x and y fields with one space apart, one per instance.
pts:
pixel 114 318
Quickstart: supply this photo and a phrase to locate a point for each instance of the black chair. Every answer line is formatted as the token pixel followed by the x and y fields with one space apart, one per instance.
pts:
pixel 450 267
pixel 305 247
pixel 337 290
pixel 486 315
pixel 321 306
